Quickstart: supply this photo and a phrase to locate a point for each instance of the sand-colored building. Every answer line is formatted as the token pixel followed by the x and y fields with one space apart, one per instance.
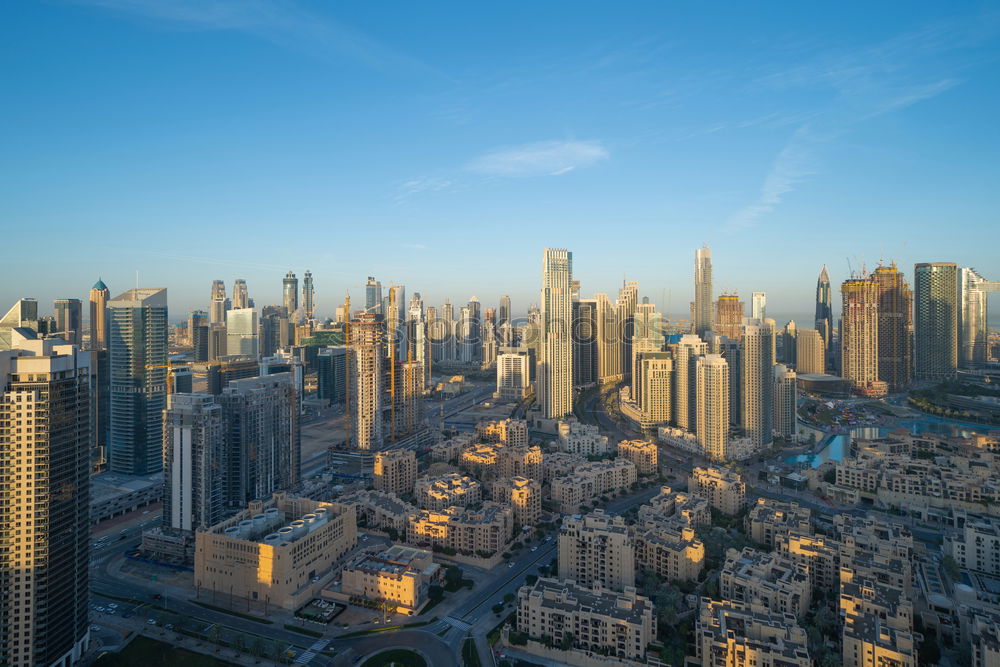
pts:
pixel 770 518
pixel 578 438
pixel 689 510
pixel 469 532
pixel 509 432
pixel 438 493
pixel 589 480
pixel 481 460
pixel 277 552
pixel 595 620
pixel 724 489
pixel 395 471
pixel 524 495
pixel 670 549
pixel 399 576
pixel 521 460
pixel 596 551
pixel 736 633
pixel 379 510
pixel 643 453
pixel 773 579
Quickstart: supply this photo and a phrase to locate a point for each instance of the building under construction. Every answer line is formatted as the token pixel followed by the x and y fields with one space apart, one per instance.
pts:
pixel 895 342
pixel 859 335
pixel 729 315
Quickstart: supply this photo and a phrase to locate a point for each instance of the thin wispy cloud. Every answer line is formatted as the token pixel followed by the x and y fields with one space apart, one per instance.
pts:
pixel 543 158
pixel 866 83
pixel 285 23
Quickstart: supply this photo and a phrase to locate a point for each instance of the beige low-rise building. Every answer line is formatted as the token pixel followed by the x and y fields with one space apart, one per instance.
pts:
pixel 738 634
pixel 509 432
pixel 623 624
pixel 521 460
pixel 449 450
pixel 484 532
pixel 395 471
pixel 690 510
pixel 724 489
pixel 438 493
pixel 399 576
pixel 524 495
pixel 769 519
pixel 277 552
pixel 977 546
pixel 670 549
pixel 596 551
pixel 481 460
pixel 559 464
pixel 877 624
pixel 771 579
pixel 589 481
pixel 578 438
pixel 380 510
pixel 643 453
pixel 820 554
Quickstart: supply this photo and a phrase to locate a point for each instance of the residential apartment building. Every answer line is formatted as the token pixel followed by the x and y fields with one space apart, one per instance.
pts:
pixel 590 480
pixel 524 495
pixel 399 576
pixel 779 583
pixel 769 519
pixel 395 471
pixel 578 438
pixel 644 454
pixel 596 551
pixel 483 532
pixel 451 489
pixel 737 633
pixel 670 549
pixel 724 489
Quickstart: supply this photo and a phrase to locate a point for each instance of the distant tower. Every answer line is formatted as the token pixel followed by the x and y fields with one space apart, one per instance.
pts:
pixel 217 307
pixel 824 307
pixel 45 521
pixel 194 449
pixel 373 296
pixel 290 294
pixel 759 306
pixel 585 369
pixel 367 363
pixel 859 335
pixel 935 322
pixel 757 377
pixel 504 315
pixel 609 357
pixel 555 370
pixel 242 332
pixel 729 314
pixel 475 330
pixel 138 360
pixel 973 331
pixel 702 291
pixel 99 316
pixel 308 295
pixel 895 345
pixel 712 419
pixel 69 319
pixel 810 352
pixel 241 297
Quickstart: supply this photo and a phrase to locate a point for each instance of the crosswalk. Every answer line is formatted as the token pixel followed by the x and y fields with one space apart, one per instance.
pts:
pixel 454 622
pixel 306 656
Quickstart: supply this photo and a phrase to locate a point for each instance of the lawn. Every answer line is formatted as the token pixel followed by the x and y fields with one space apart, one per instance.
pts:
pixel 152 653
pixel 398 657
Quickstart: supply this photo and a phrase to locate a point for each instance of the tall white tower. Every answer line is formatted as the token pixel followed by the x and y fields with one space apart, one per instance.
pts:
pixel 758 377
pixel 702 291
pixel 555 368
pixel 712 372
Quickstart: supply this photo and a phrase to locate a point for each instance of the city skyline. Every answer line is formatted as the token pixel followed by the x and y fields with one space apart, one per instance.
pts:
pixel 633 125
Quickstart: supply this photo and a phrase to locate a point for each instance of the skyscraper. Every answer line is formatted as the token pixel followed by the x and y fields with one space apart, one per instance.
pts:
pixel 241 296
pixel 757 377
pixel 759 305
pixel 973 330
pixel 194 451
pixel 99 316
pixel 373 296
pixel 935 322
pixel 475 330
pixel 290 294
pixel 242 332
pixel 785 399
pixel 308 295
pixel 263 437
pixel 585 366
pixel 217 303
pixel 712 418
pixel 824 307
pixel 810 352
pixel 69 319
pixel 685 394
pixel 367 360
pixel 504 314
pixel 625 305
pixel 895 344
pixel 702 316
pixel 729 315
pixel 138 358
pixel 44 521
pixel 555 369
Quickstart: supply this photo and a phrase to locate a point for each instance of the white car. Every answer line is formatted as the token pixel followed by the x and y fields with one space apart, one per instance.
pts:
pixel 150 621
pixel 534 548
pixel 99 608
pixel 112 605
pixel 510 565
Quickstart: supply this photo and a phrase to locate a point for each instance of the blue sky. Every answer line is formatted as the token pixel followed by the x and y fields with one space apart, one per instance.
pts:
pixel 443 145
